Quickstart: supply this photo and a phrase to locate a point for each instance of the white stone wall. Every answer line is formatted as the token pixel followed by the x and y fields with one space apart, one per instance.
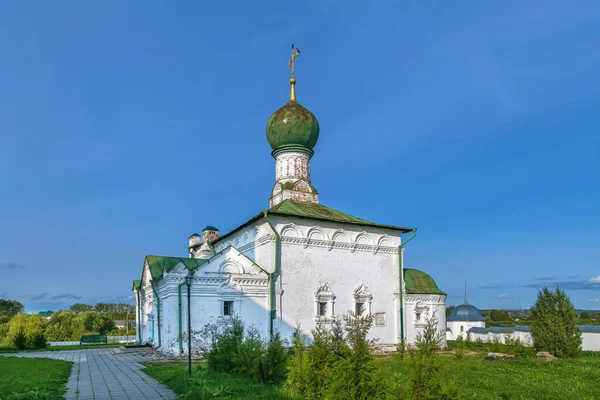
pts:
pixel 455 326
pixel 428 306
pixel 590 340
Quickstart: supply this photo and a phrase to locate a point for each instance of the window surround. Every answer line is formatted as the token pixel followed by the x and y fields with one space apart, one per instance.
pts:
pixel 324 295
pixel 362 295
pixel 421 314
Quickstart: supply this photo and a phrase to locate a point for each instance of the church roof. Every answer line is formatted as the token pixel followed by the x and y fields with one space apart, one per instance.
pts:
pixel 301 209
pixel 418 282
pixel 465 312
pixel 159 264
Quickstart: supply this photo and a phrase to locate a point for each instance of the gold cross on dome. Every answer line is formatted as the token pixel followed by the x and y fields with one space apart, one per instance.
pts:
pixel 295 53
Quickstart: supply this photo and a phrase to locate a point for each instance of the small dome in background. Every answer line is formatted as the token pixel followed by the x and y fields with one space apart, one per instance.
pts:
pixel 465 312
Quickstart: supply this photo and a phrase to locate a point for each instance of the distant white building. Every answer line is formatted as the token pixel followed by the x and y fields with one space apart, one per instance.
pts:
pixel 297 262
pixel 462 319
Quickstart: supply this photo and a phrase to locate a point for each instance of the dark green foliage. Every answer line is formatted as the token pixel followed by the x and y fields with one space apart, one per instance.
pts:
pixel 427 381
pixel 459 350
pixel 273 364
pixel 225 348
pixel 19 340
pixel 585 315
pixel 338 364
pixel 242 352
pixel 39 341
pixel 554 327
pixel 449 310
pixel 499 315
pixel 10 308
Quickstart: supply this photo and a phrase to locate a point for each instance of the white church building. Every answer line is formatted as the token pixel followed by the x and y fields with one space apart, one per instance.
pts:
pixel 297 262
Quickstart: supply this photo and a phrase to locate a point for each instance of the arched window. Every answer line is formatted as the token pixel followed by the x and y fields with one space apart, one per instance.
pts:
pixel 362 300
pixel 421 313
pixel 462 329
pixel 324 304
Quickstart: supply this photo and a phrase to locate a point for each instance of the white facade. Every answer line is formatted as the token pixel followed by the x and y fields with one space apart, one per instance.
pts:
pixel 321 262
pixel 460 328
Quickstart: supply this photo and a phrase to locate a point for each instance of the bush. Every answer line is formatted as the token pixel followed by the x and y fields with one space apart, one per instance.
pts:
pixel 554 328
pixel 30 325
pixel 19 340
pixel 234 349
pixel 426 382
pixel 39 341
pixel 338 365
pixel 273 365
pixel 459 350
pixel 225 346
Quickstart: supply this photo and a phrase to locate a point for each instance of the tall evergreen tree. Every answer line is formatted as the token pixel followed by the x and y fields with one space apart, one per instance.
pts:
pixel 554 324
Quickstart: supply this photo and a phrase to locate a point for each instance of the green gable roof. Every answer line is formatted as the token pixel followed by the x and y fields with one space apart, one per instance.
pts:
pixel 418 282
pixel 210 228
pixel 159 264
pixel 318 211
pixel 137 284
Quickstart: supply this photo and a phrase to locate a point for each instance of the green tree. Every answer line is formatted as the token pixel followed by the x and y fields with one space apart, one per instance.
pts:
pixel 499 315
pixel 32 326
pixel 10 308
pixel 449 310
pixel 585 315
pixel 80 307
pixel 554 324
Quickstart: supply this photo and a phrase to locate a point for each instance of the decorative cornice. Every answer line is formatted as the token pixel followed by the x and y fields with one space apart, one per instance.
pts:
pixel 332 244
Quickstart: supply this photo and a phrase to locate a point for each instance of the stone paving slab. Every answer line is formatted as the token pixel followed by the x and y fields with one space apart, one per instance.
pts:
pixel 100 374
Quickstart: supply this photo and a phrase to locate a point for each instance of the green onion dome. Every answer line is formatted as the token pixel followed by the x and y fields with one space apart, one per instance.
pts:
pixel 292 126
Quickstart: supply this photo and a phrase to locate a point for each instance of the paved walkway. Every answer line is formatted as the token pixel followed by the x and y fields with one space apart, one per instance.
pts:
pixel 106 374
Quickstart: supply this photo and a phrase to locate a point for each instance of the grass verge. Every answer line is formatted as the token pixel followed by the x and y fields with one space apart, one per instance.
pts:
pixel 520 379
pixel 206 384
pixel 33 378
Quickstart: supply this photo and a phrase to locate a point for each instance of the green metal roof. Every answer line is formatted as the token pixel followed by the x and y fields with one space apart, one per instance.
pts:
pixel 418 282
pixel 46 313
pixel 318 211
pixel 210 228
pixel 158 264
pixel 137 284
pixel 193 234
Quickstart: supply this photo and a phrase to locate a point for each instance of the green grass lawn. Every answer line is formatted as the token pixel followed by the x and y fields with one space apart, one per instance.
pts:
pixel 205 384
pixel 477 379
pixel 62 348
pixel 519 378
pixel 33 378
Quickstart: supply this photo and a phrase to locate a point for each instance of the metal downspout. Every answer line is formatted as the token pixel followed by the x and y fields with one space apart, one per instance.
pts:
pixel 180 322
pixel 157 311
pixel 273 275
pixel 139 317
pixel 401 275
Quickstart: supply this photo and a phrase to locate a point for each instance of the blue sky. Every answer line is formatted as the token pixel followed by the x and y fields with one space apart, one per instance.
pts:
pixel 125 127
